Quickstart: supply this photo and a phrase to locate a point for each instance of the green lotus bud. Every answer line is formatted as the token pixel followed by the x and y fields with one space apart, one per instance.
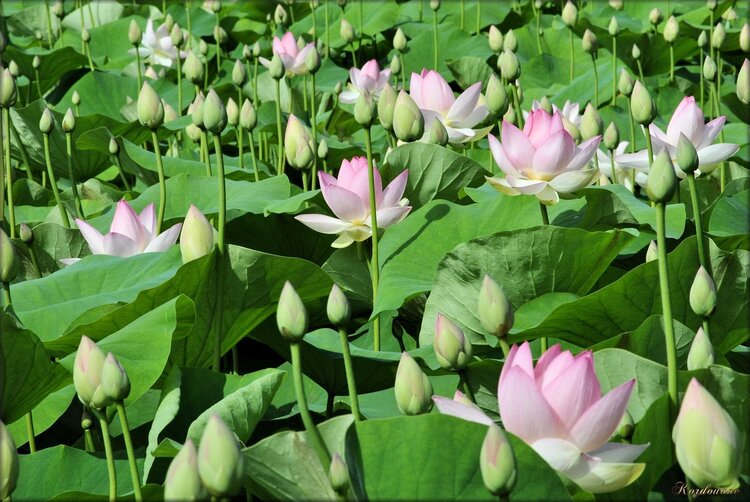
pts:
pixel 687 156
pixel 538 4
pixel 87 370
pixel 591 123
pixel 413 389
pixel 134 33
pixel 709 68
pixel 655 16
pixel 434 5
pixel 193 68
pixel 642 105
pixel 256 49
pixel 150 109
pixel 169 113
pixel 743 83
pixel 169 22
pixel 545 105
pixel 85 35
pixel 214 113
pixel 338 474
pixel 8 260
pixel 387 106
pixel 745 38
pixel 176 35
pixel 702 39
pixel 196 237
pixel 291 315
pixel 220 461
pixel 323 149
pixel 671 30
pixel 215 6
pixel 510 42
pixel 662 180
pixel 36 62
pixel 47 121
pixel 13 68
pixel 183 481
pixel 276 68
pixel 570 14
pixel 508 65
pixel 346 31
pixel 115 381
pixel 38 35
pixel 452 348
pixel 248 117
pixel 299 146
pixel 701 353
pixel 87 421
pixel 496 39
pixel 8 462
pixel 717 39
pixel 239 74
pixel 69 121
pixel 652 252
pixel 437 135
pixel 590 43
pixel 703 294
pixel 625 84
pixel 312 61
pixel 58 9
pixel 193 131
pixel 408 122
pixel 233 113
pixel 711 4
pixel 247 52
pixel 636 52
pixel 510 116
pixel 496 97
pixel 202 47
pixel 338 88
pixel 497 462
pixel 395 66
pixel 220 35
pixel 314 4
pixel 616 4
pixel 572 129
pixel 75 98
pixel 399 40
pixel 114 146
pixel 611 136
pixel 614 27
pixel 8 89
pixel 300 42
pixel 626 426
pixel 493 308
pixel 27 236
pixel 280 16
pixel 338 307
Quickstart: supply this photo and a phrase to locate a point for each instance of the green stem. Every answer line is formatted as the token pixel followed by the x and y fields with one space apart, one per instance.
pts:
pixel 545 214
pixel 328 33
pixel 129 449
pixel 632 128
pixel 6 149
pixel 614 171
pixel 240 133
pixel 596 81
pixel 640 69
pixel 116 162
pixel 179 85
pixel 516 105
pixel 188 10
pixel 83 25
pixel 38 84
pixel 403 70
pixel 538 25
pixel 22 149
pixel 34 261
pixel 650 148
pixel 315 27
pixel 504 346
pixel 7 302
pixel 666 302
pixel 222 192
pixel 162 182
pixel 235 360
pixel 218 47
pixel 88 440
pixel 304 93
pixel 572 63
pixel 313 433
pixel 700 74
pixel 614 70
pixel 354 54
pixel 314 128
pixel 698 221
pixel 255 82
pixel 88 56
pixel 91 14
pixel 465 385
pixel 53 183
pixel 140 72
pixel 204 150
pixel 30 432
pixel 72 176
pixel 252 154
pixel 110 457
pixel 49 23
pixel 279 132
pixel 435 39
pixel 351 383
pixel 479 17
pixel 8 174
pixel 671 63
pixel 374 265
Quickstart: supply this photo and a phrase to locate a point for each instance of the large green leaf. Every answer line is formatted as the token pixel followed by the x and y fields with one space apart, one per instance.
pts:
pixel 51 243
pixel 54 64
pixel 44 414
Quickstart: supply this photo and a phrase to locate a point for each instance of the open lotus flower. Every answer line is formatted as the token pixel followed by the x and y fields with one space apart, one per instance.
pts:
pixel 291 55
pixel 157 47
pixel 557 408
pixel 624 174
pixel 129 234
pixel 459 116
pixel 688 119
pixel 349 199
pixel 369 79
pixel 570 111
pixel 542 160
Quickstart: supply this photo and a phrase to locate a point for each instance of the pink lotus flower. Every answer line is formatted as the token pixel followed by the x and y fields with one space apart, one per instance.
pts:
pixel 291 55
pixel 157 47
pixel 543 159
pixel 688 119
pixel 349 199
pixel 558 409
pixel 460 116
pixel 129 234
pixel 569 112
pixel 369 79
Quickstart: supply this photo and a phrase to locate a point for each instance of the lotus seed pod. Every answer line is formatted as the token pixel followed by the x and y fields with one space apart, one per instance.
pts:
pixel 346 31
pixel 636 52
pixel 115 381
pixel 493 308
pixel 745 38
pixel 36 62
pixel 8 462
pixel 202 47
pixel 338 309
pixel 214 113
pixel 702 39
pixel 196 237
pixel 743 83
pixel 662 180
pixel 701 353
pixel 13 67
pixel 434 5
pixel 248 117
pixel 642 105
pixel 395 66
pixel 408 122
pixel 8 89
pixel 437 135
pixel 611 136
pixel 8 260
pixel 718 37
pixel 114 147
pixel 614 27
pixel 496 97
pixel 495 39
pixel 85 35
pixel 687 156
pixel 591 123
pixel 87 370
pixel 299 147
pixel 651 252
pixel 87 421
pixel 323 149
pixel 280 16
pixel 183 481
pixel 47 121
pixel 150 108
pixel 338 474
pixel 220 461
pixel 197 110
pixel 364 110
pixel 220 35
pixel 510 42
pixel 291 315
pixel 276 68
pixel 176 35
pixel 27 236
pixel 399 40
pixel 497 462
pixel 412 388
pixel 546 105
pixel 655 16
pixel 134 33
pixel 69 121
pixel 233 113
pixel 589 42
pixel 671 30
pixel 703 294
pixel 386 106
pixel 570 14
pixel 312 61
pixel 709 68
pixel 193 68
pixel 508 65
pixel 452 348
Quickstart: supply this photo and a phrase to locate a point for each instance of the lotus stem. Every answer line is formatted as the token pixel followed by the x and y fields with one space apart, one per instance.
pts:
pixel 666 302
pixel 204 152
pixel 614 69
pixel 7 302
pixel 304 94
pixel 313 127
pixel 698 221
pixel 671 63
pixel 218 47
pixel 596 81
pixel 188 11
pixel 374 264
pixel 88 440
pixel 140 72
pixel 650 148
pixel 516 105
pixel 465 385
pixel 572 61
pixel 162 182
pixel 110 457
pixel 632 128
pixel 29 423
pixel 279 132
pixel 240 132
pixel 53 183
pixel 129 449
pixel 91 14
pixel 350 381
pixel 328 33
pixel 179 84
pixel 403 70
pixel 116 162
pixel 22 149
pixel 222 191
pixel 700 75
pixel 538 26
pixel 315 27
pixel 435 39
pixel 49 23
pixel 72 176
pixel 252 154
pixel 8 175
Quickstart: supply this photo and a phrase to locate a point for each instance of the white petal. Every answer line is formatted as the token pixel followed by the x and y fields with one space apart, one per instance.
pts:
pixel 573 180
pixel 165 240
pixel 322 223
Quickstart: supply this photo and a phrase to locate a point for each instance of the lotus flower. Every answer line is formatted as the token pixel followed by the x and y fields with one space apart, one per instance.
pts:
pixel 129 234
pixel 369 79
pixel 460 116
pixel 570 112
pixel 623 173
pixel 688 119
pixel 542 160
pixel 291 55
pixel 349 199
pixel 558 409
pixel 157 47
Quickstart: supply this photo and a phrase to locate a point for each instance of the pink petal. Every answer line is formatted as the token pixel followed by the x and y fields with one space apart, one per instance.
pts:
pixel 574 390
pixel 713 154
pixel 637 160
pixel 657 133
pixel 289 44
pixel 465 103
pixel 618 452
pixel 584 153
pixel 371 70
pixel 519 356
pixel 436 93
pixel 415 90
pixel 356 179
pixel 688 120
pixel 126 222
pixel 600 420
pixel 345 204
pixel 554 155
pixel 516 146
pixel 471 413
pixel 544 362
pixel 501 159
pixel 93 236
pixel 570 181
pixel 119 245
pixel 322 223
pixel 712 130
pixel 395 190
pixel 164 240
pixel 541 126
pixel 354 77
pixel 147 218
pixel 326 179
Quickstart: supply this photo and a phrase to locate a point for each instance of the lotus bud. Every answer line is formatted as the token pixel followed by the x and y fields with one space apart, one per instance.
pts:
pixel 312 61
pixel 247 52
pixel 256 49
pixel 408 122
pixel 510 42
pixel 386 106
pixel 85 35
pixel 745 38
pixel 519 89
pixel 493 308
pixel 614 27
pixel 215 6
pixel 220 461
pixel 8 89
pixel 36 62
pixel 233 113
pixel 709 69
pixel 616 4
pixel 176 35
pixel 716 458
pixel 202 47
pixel 196 237
pixel 701 353
pixel 134 33
pixel 711 4
pixel 150 109
pixel 338 307
pixel 8 260
pixel 399 40
pixel 291 315
pixel 743 83
pixel 662 180
pixel 169 113
pixel 338 474
pixel 323 149
pixel 591 123
pixel 115 381
pixel 703 294
pixel 47 121
pixel 636 52
pixel 114 146
pixel 687 156
pixel 508 65
pixel 452 348
pixel 280 16
pixel 220 35
pixel 214 113
pixel 671 30
pixel 13 67
pixel 8 463
pixel 545 105
pixel 364 110
pixel 58 8
pixel 717 39
pixel 434 5
pixel 196 113
pixel 248 117
pixel 497 462
pixel 300 42
pixel 276 68
pixel 625 84
pixel 27 236
pixel 572 129
pixel 239 74
pixel 626 426
pixel 570 14
pixel 590 43
pixel 346 31
pixel 193 131
pixel 538 4
pixel 342 3
pixel 655 16
pixel 338 88
pixel 38 35
pixel 437 135
pixel 642 105
pixel 413 389
pixel 496 97
pixel 496 39
pixel 69 121
pixel 611 137
pixel 299 146
pixel 314 4
pixel 87 421
pixel 87 370
pixel 395 66
pixel 702 39
pixel 510 116
pixel 169 22
pixel 651 252
pixel 183 481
